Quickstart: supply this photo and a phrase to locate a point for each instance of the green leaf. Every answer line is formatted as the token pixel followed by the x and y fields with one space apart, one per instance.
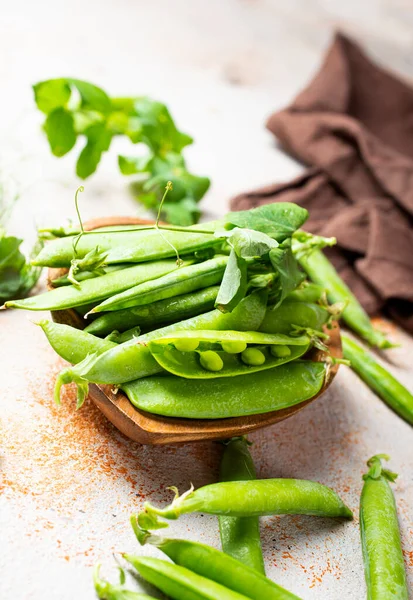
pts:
pixel 130 165
pixel 60 131
pixel 183 213
pixel 287 267
pixel 248 243
pixel 278 220
pixel 51 94
pixel 16 277
pixel 98 141
pixel 92 97
pixel 234 284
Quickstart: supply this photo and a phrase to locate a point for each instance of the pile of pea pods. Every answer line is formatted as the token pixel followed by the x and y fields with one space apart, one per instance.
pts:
pixel 215 321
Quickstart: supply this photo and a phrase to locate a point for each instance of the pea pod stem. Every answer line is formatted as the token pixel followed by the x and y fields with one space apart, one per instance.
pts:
pixel 382 552
pixel 240 536
pixel 321 271
pixel 108 591
pixel 215 565
pixel 178 582
pixel 378 378
pixel 251 498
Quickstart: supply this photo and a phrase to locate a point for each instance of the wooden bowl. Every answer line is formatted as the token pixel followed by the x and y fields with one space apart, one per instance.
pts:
pixel 146 428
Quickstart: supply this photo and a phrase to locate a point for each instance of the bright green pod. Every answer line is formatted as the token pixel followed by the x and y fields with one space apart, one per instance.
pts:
pixel 321 271
pixel 179 583
pixel 307 292
pixel 240 536
pixel 196 364
pixel 132 246
pixel 378 378
pixel 93 290
pixel 255 393
pixel 183 280
pixel 258 497
pixel 380 536
pixel 299 314
pixel 216 566
pixel 133 359
pixel 157 313
pixel 83 275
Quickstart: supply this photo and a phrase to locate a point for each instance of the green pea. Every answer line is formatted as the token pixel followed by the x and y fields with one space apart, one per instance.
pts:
pixel 234 347
pixel 280 351
pixel 253 357
pixel 211 361
pixel 186 345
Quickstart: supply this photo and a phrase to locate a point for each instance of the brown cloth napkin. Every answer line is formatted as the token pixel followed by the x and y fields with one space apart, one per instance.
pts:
pixel 353 125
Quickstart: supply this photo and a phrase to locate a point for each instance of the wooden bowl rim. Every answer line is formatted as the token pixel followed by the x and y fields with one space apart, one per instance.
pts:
pixel 147 428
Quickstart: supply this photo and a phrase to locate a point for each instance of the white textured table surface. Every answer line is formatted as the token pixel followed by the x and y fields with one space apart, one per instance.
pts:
pixel 69 480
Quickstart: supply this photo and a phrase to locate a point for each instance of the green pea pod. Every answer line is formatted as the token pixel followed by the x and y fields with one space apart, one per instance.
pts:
pixel 179 583
pixel 133 360
pixel 72 344
pixel 378 378
pixel 382 552
pixel 260 497
pixel 321 271
pixel 182 353
pixel 109 591
pixel 181 281
pixel 240 536
pixel 83 275
pixel 156 313
pixel 289 313
pixel 138 245
pixel 93 290
pixel 307 292
pixel 215 565
pixel 261 392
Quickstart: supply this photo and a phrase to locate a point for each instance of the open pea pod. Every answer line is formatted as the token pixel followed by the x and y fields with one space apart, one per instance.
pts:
pixel 210 354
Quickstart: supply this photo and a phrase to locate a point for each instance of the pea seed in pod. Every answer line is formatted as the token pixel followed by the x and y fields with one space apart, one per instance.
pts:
pixel 211 361
pixel 234 347
pixel 253 357
pixel 186 345
pixel 280 351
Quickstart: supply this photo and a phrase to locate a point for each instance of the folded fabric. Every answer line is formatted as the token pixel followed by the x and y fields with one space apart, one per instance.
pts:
pixel 353 126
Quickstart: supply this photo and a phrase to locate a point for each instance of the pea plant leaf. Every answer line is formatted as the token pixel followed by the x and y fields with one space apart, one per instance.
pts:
pixel 278 220
pixel 16 276
pixel 76 108
pixel 249 243
pixel 234 283
pixel 60 131
pixel 287 268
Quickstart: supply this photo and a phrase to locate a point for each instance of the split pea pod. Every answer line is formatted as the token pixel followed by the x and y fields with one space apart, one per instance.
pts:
pixel 133 360
pixel 210 354
pixel 215 565
pixel 260 497
pixel 261 392
pixel 378 378
pixel 156 313
pixel 182 281
pixel 240 536
pixel 380 537
pixel 138 245
pixel 178 582
pixel 93 290
pixel 289 313
pixel 321 271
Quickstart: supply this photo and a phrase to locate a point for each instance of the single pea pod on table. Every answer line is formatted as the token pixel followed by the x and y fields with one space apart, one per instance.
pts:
pixel 240 536
pixel 211 354
pixel 380 536
pixel 260 497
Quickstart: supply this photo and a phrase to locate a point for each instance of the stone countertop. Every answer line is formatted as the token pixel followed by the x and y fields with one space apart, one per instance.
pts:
pixel 69 480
